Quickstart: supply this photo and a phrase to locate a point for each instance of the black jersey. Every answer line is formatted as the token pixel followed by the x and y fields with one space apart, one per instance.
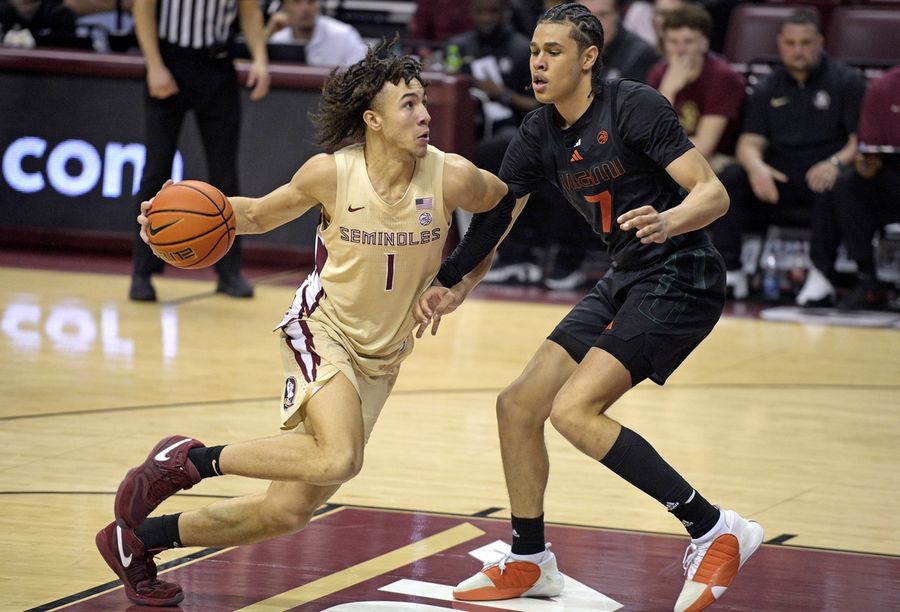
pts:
pixel 610 161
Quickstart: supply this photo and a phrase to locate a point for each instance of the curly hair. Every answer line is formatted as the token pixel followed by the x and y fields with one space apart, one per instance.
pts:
pixel 586 31
pixel 348 93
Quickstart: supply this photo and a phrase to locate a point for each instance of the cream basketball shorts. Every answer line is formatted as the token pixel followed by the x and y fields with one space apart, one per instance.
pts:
pixel 311 355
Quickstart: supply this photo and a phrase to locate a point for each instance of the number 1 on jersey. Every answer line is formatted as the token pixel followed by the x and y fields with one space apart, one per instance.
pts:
pixel 604 199
pixel 389 281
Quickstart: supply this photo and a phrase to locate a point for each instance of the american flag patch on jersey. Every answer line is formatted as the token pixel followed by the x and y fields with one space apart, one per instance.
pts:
pixel 423 203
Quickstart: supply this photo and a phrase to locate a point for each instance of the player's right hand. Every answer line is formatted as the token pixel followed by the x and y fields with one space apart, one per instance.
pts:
pixel 142 219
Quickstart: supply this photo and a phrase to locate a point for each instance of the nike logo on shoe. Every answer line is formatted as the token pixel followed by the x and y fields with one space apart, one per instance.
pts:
pixel 163 455
pixel 126 561
pixel 155 230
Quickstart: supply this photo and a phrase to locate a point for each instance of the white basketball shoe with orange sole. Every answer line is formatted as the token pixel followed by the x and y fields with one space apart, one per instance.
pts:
pixel 710 565
pixel 510 577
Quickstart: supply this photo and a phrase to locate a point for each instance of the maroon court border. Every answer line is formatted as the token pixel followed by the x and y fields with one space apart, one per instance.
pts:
pixel 640 570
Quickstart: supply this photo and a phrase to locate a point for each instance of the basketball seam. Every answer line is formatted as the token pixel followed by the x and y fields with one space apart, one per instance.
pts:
pixel 185 211
pixel 195 236
pixel 220 210
pixel 208 253
pixel 203 193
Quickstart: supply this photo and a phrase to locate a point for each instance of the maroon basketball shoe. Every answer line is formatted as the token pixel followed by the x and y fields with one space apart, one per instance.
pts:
pixel 166 471
pixel 126 555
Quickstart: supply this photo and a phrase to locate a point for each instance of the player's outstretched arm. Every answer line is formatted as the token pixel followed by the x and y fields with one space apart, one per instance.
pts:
pixel 483 193
pixel 706 201
pixel 494 206
pixel 314 183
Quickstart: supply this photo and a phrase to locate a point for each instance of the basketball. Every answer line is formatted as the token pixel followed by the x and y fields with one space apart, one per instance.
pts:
pixel 191 224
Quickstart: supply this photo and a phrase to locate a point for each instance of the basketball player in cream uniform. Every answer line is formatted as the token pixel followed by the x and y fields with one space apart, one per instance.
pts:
pixel 385 209
pixel 373 259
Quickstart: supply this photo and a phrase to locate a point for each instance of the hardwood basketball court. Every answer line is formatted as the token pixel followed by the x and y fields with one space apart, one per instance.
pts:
pixel 793 425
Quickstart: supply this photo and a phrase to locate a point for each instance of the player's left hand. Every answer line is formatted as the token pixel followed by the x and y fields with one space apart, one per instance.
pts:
pixel 651 225
pixel 434 302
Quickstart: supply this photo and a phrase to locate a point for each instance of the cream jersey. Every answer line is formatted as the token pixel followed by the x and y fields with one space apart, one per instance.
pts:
pixel 374 259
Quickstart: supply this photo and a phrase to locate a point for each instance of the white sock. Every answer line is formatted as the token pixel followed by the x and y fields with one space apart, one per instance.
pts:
pixel 533 557
pixel 718 529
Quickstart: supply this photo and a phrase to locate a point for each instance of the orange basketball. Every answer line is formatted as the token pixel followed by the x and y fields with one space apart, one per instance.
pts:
pixel 191 224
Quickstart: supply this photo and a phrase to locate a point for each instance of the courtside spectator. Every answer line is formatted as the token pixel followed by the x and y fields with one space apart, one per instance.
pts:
pixel 707 93
pixel 327 41
pixel 869 198
pixel 799 133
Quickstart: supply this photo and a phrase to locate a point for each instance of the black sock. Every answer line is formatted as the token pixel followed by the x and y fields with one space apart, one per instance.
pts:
pixel 632 458
pixel 206 460
pixel 528 535
pixel 160 532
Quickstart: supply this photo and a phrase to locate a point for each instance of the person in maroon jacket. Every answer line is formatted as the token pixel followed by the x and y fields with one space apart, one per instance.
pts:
pixel 437 20
pixel 706 93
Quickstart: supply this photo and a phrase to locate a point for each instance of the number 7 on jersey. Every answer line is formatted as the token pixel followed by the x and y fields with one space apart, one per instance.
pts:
pixel 604 199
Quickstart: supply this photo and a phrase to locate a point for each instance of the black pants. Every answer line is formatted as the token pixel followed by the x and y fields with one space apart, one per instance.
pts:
pixel 864 205
pixel 798 206
pixel 209 87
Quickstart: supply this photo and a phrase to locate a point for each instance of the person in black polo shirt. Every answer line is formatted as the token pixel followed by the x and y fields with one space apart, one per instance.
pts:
pixel 798 136
pixel 188 68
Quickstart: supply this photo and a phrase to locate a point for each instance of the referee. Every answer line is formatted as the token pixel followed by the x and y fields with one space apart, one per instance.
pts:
pixel 184 43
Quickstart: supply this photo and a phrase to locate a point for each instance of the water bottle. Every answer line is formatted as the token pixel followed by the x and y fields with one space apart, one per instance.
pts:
pixel 771 286
pixel 453 61
pixel 99 40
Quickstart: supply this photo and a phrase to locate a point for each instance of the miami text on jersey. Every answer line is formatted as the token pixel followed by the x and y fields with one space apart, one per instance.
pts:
pixel 595 175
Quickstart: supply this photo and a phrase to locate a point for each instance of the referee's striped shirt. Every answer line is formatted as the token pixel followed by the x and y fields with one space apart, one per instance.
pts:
pixel 196 24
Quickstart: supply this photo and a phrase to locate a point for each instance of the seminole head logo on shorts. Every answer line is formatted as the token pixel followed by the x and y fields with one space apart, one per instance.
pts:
pixel 290 392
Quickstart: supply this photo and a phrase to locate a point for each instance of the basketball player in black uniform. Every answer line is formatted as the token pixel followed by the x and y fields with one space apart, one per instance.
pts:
pixel 617 153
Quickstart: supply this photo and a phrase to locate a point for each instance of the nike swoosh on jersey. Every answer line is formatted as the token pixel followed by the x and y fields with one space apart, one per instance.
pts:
pixel 779 102
pixel 163 455
pixel 155 230
pixel 126 561
pixel 351 209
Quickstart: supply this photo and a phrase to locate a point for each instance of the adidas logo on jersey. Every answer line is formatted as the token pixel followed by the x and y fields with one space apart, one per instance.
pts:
pixel 576 156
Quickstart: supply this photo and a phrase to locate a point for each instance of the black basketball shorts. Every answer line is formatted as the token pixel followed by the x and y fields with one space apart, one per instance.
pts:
pixel 650 319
